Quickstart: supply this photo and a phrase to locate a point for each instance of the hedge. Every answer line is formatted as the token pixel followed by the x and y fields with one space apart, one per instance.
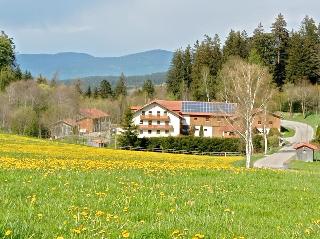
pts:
pixel 191 143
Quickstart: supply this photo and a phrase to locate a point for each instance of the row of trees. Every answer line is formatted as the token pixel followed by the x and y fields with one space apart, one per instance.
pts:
pixel 9 70
pixel 105 91
pixel 289 56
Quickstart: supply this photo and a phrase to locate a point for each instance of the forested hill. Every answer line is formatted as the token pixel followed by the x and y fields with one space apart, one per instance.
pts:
pixel 78 65
pixel 131 81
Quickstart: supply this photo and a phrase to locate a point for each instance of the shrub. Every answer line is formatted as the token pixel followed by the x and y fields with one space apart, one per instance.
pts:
pixel 258 143
pixel 273 132
pixel 273 141
pixel 318 134
pixel 194 144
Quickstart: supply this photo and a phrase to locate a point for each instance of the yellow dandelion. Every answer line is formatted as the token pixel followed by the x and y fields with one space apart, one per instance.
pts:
pixel 125 234
pixel 8 233
pixel 198 236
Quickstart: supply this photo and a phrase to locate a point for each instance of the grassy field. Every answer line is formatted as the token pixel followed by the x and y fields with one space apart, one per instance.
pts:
pixel 55 190
pixel 313 120
pixel 288 132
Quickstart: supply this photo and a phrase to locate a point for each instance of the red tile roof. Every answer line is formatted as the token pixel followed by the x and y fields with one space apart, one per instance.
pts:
pixel 310 146
pixel 93 113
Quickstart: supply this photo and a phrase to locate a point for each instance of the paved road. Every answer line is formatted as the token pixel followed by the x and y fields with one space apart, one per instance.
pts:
pixel 303 133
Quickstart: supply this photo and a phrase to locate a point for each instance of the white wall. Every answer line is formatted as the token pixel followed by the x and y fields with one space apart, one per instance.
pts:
pixel 207 131
pixel 154 108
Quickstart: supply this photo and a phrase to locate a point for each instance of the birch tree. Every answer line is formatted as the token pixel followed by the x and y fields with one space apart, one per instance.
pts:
pixel 246 84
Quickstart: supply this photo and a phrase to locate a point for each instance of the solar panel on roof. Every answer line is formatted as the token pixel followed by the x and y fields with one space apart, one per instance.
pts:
pixel 207 107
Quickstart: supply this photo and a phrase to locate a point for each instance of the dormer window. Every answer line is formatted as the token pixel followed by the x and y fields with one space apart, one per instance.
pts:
pixel 143 113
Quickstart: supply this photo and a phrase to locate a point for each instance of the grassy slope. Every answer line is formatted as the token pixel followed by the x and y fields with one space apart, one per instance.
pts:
pixel 154 203
pixel 288 133
pixel 312 120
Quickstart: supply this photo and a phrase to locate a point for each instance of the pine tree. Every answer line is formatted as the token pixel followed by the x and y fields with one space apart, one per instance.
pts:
pixel 207 55
pixel 262 44
pixel 105 89
pixel 187 73
pixel 303 53
pixel 237 44
pixel 280 43
pixel 176 74
pixel 130 135
pixel 88 92
pixel 96 92
pixel 148 89
pixel 121 87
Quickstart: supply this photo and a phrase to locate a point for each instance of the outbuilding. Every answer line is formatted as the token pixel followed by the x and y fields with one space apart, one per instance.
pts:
pixel 305 152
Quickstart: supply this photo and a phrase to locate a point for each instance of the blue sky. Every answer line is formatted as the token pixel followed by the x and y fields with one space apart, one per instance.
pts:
pixel 118 27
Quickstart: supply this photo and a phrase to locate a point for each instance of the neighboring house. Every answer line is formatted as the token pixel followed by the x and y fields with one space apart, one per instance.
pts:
pixel 63 128
pixel 172 118
pixel 272 120
pixel 92 120
pixel 159 118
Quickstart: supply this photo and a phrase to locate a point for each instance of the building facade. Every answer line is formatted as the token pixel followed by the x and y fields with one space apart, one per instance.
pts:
pixel 162 118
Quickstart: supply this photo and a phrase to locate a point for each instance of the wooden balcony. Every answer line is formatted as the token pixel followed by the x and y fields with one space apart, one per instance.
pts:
pixel 155 117
pixel 156 127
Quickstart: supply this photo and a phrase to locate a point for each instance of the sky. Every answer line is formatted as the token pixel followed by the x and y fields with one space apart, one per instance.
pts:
pixel 119 27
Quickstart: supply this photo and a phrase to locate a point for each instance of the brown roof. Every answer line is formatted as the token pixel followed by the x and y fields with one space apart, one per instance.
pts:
pixel 93 113
pixel 310 146
pixel 70 122
pixel 135 108
pixel 170 104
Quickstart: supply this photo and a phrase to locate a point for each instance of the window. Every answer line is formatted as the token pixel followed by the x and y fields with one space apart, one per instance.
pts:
pixel 143 113
pixel 167 122
pixel 270 122
pixel 158 131
pixel 205 129
pixel 158 122
pixel 207 119
pixel 158 113
pixel 195 118
pixel 165 112
pixel 141 131
pixel 167 131
pixel 149 122
pixel 150 112
pixel 149 131
pixel 141 121
pixel 196 129
pixel 259 122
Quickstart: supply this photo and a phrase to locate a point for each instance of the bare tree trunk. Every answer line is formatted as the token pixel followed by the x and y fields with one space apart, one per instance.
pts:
pixel 290 108
pixel 303 109
pixel 265 131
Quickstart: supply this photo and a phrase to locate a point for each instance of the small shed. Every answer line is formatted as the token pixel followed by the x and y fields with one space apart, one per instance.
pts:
pixel 305 152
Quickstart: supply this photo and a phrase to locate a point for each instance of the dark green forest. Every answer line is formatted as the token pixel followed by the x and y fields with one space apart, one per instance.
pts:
pixel 292 57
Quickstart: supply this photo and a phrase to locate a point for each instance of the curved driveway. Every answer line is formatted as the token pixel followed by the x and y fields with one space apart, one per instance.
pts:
pixel 303 133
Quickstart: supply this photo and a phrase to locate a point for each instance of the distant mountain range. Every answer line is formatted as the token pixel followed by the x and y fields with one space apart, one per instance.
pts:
pixel 70 65
pixel 132 81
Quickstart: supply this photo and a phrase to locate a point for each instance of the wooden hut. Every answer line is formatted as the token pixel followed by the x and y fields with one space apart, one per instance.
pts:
pixel 305 152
